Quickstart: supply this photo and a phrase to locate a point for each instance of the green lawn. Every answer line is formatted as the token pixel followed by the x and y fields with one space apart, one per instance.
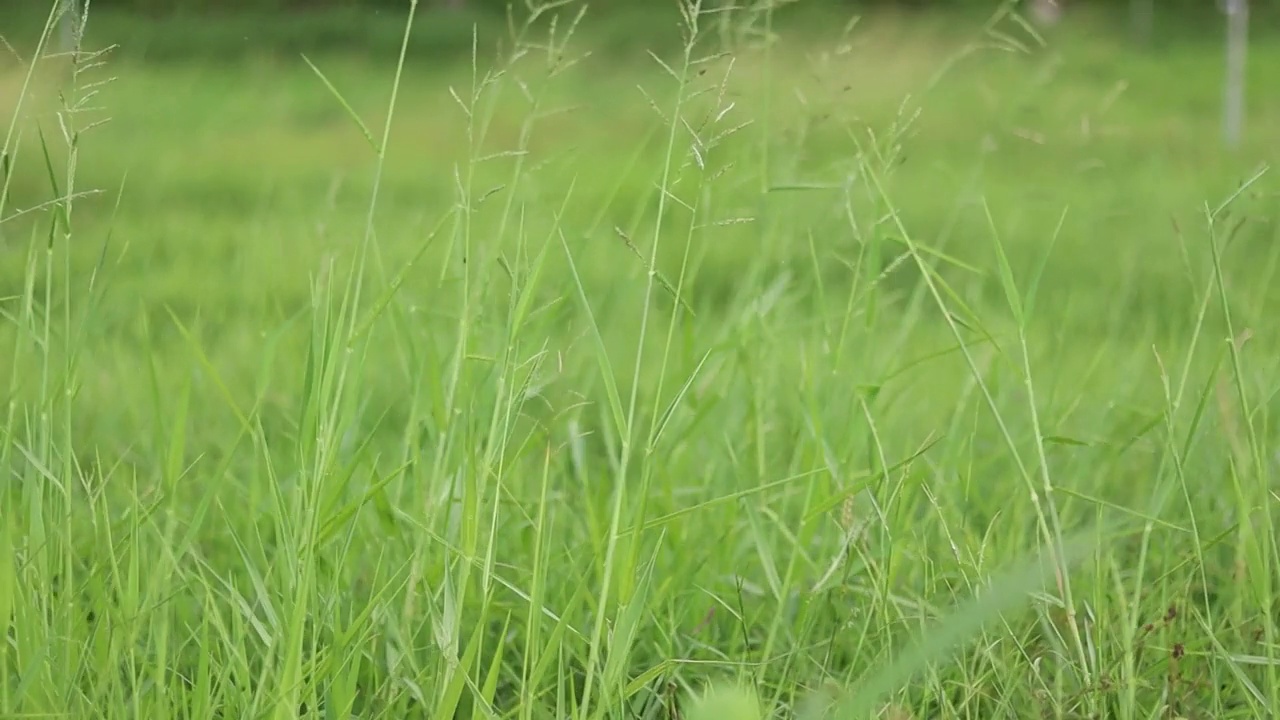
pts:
pixel 610 381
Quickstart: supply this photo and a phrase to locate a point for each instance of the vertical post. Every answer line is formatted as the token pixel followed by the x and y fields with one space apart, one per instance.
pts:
pixel 1046 12
pixel 69 25
pixel 1237 47
pixel 1142 15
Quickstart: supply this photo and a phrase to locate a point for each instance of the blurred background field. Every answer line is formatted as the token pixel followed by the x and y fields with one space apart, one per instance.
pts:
pixel 837 426
pixel 1094 146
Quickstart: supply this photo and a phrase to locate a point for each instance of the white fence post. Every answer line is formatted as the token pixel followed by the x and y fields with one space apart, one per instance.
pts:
pixel 1237 48
pixel 69 21
pixel 1142 15
pixel 1046 12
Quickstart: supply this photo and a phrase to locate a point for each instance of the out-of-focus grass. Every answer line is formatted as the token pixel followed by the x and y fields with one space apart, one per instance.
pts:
pixel 472 493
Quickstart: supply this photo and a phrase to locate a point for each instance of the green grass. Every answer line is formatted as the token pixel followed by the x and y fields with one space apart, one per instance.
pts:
pixel 881 372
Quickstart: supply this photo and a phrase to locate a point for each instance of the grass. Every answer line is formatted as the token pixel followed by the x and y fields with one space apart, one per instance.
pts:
pixel 911 370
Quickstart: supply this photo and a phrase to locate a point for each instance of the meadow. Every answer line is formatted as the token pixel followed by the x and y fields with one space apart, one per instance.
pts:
pixel 913 367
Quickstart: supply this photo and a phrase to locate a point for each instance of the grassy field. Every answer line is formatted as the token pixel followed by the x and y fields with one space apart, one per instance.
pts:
pixel 913 369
